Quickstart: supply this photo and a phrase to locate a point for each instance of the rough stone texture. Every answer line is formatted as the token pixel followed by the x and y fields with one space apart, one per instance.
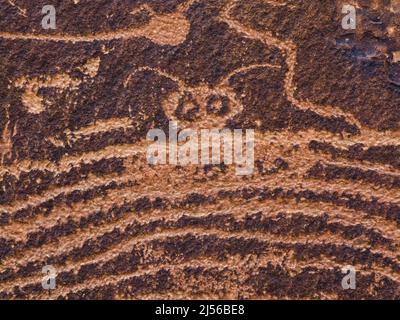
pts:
pixel 77 193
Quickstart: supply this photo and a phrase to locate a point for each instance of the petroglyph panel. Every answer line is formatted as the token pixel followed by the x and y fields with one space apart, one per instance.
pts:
pixel 77 191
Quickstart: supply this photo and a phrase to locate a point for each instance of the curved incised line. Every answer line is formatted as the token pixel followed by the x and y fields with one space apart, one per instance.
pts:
pixel 289 48
pixel 165 29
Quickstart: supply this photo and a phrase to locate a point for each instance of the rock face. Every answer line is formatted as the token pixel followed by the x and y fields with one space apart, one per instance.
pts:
pixel 78 194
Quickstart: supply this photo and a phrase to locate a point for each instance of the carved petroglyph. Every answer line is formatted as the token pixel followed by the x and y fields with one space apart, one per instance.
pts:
pixel 31 98
pixel 101 205
pixel 164 29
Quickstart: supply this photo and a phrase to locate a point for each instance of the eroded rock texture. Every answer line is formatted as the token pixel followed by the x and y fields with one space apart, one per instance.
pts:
pixel 77 193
